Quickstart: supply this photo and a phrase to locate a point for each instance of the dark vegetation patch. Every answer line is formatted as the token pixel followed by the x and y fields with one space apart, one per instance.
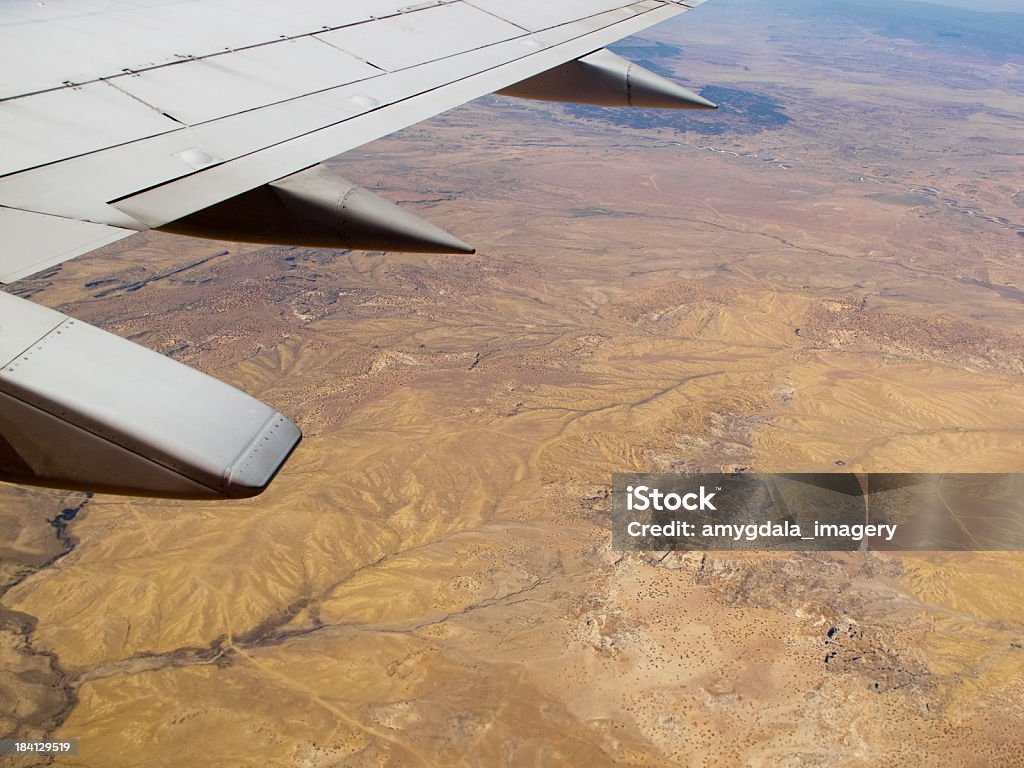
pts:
pixel 739 111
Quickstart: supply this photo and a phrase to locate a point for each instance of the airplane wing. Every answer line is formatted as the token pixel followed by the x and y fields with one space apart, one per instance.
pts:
pixel 210 117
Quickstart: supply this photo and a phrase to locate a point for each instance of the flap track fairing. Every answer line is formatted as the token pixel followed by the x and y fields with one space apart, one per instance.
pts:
pixel 605 79
pixel 317 208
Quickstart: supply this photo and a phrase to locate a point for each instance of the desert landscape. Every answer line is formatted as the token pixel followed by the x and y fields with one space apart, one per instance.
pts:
pixel 826 274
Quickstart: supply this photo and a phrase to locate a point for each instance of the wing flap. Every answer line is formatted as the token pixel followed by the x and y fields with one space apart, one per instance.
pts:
pixel 33 241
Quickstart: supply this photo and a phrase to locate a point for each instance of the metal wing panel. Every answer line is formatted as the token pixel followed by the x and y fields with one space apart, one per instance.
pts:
pixel 199 91
pixel 89 46
pixel 151 379
pixel 535 15
pixel 427 35
pixel 20 330
pixel 107 51
pixel 60 124
pixel 33 242
pixel 89 39
pixel 80 187
pixel 129 420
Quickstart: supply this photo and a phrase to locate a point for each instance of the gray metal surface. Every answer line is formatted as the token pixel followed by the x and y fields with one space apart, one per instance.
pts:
pixel 535 15
pixel 432 33
pixel 40 241
pixel 83 408
pixel 22 324
pixel 198 91
pixel 217 97
pixel 38 448
pixel 80 41
pixel 55 125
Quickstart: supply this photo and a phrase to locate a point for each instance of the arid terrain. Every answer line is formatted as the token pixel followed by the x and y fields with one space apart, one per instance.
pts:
pixel 826 273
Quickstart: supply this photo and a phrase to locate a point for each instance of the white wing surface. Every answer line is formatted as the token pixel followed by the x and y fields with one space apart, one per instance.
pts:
pixel 122 116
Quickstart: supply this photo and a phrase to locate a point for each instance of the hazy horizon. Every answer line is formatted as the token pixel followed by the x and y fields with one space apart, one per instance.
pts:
pixel 1012 6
